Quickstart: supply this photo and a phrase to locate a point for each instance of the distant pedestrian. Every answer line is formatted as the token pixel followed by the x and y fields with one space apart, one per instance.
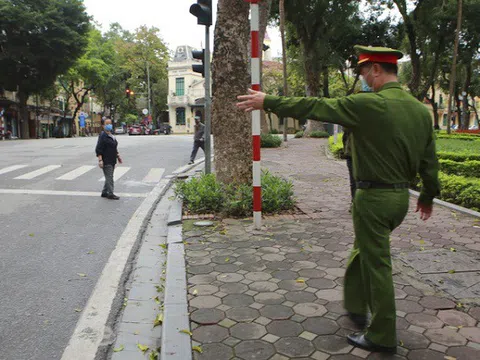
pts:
pixel 198 139
pixel 107 154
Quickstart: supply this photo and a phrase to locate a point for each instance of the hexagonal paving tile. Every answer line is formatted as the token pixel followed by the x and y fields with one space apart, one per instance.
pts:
pixel 198 261
pixel 203 290
pixel 304 265
pixel 201 279
pixel 269 298
pixel 254 350
pixel 291 285
pixel 471 333
pixel 227 268
pixel 445 336
pixel 332 344
pixel 337 272
pixel 205 302
pixel 320 326
pixel 284 328
pixel 425 354
pixel 263 286
pixel 321 283
pixel 248 331
pixel 456 318
pixel 310 309
pixel 475 313
pixel 425 321
pixel 237 300
pixel 278 265
pixel 207 316
pixel 330 294
pixel 209 334
pixel 312 273
pixel 464 353
pixel 242 314
pixel 300 297
pixel 436 303
pixel 408 306
pixel 294 347
pixel 224 259
pixel 258 276
pixel 273 257
pixel 249 259
pixel 214 352
pixel 234 288
pixel 200 269
pixel 276 312
pixel 230 277
pixel 285 275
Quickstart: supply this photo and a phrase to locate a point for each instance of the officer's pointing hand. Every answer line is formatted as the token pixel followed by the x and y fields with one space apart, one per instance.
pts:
pixel 252 101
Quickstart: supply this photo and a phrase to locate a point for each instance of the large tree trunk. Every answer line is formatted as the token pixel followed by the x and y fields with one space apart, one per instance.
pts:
pixel 436 123
pixel 284 62
pixel 312 76
pixel 326 83
pixel 264 7
pixel 465 121
pixel 231 77
pixel 23 115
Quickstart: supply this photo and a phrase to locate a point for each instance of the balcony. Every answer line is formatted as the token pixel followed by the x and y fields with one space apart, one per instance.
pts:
pixel 174 100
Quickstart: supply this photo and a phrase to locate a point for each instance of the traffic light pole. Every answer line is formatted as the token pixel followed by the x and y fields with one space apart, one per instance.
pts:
pixel 208 105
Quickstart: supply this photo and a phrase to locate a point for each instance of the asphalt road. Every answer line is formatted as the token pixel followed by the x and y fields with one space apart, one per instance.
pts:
pixel 56 232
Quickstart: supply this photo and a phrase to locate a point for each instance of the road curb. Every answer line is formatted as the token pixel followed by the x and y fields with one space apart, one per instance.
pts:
pixel 450 205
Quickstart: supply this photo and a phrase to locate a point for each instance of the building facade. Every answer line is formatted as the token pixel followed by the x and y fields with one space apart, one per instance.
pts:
pixel 186 91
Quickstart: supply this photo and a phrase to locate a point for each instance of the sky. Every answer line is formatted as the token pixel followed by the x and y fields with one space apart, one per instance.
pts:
pixel 177 26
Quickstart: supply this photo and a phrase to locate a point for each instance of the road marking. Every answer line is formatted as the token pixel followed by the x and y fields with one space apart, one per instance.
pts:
pixel 11 168
pixel 66 193
pixel 154 175
pixel 93 327
pixel 72 175
pixel 42 171
pixel 119 172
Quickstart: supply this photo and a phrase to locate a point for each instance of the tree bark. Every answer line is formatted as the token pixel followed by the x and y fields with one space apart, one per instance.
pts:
pixel 326 84
pixel 466 89
pixel 284 62
pixel 312 76
pixel 435 109
pixel 23 115
pixel 231 77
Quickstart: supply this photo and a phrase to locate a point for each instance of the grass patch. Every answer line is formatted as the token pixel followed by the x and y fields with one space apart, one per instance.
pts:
pixel 458 145
pixel 204 194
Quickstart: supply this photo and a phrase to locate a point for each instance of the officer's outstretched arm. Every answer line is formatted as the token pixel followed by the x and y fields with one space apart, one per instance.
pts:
pixel 343 111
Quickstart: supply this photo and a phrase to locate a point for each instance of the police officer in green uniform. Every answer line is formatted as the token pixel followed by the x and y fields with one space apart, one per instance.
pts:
pixel 392 140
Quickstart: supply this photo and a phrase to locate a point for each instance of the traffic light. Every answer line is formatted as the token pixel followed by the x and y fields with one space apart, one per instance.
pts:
pixel 203 11
pixel 199 55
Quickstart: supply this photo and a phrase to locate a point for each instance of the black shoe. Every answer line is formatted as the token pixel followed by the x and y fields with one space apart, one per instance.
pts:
pixel 359 320
pixel 113 197
pixel 359 340
pixel 191 162
pixel 104 195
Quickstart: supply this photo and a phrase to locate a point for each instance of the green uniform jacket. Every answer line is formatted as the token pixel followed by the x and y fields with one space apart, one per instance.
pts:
pixel 392 134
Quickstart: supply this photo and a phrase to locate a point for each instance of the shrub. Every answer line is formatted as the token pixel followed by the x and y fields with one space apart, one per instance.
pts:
pixel 461 190
pixel 299 134
pixel 270 141
pixel 319 134
pixel 457 156
pixel 336 149
pixel 274 131
pixel 469 168
pixel 206 195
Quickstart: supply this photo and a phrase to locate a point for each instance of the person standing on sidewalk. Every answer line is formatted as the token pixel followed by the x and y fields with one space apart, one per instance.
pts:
pixel 392 140
pixel 198 139
pixel 107 155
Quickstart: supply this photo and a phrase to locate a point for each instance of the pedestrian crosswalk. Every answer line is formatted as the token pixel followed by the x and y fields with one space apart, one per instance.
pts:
pixel 62 173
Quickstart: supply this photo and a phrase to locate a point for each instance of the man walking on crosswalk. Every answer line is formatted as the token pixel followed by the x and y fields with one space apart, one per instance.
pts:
pixel 198 140
pixel 107 155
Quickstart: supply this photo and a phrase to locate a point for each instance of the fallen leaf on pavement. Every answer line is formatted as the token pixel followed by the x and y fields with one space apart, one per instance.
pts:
pixel 91 252
pixel 136 332
pixel 31 235
pixel 195 292
pixel 158 320
pixel 449 358
pixel 153 355
pixel 143 348
pixel 227 259
pixel 451 271
pixel 163 246
pixel 453 249
pixel 121 348
pixel 82 274
pixel 401 343
pixel 78 310
pixel 157 300
pixel 185 331
pixel 301 281
pixel 197 349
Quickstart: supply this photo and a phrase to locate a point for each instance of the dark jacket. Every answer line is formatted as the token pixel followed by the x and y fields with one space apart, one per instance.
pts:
pixel 107 147
pixel 199 132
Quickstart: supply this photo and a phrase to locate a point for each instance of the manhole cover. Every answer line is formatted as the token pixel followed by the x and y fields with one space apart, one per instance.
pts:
pixel 456 273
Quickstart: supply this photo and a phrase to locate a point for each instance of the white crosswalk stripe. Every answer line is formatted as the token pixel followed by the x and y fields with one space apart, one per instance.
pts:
pixel 154 175
pixel 72 175
pixel 119 172
pixel 11 168
pixel 36 173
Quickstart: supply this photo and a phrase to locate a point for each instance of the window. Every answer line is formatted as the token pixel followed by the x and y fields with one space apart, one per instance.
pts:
pixel 180 116
pixel 180 88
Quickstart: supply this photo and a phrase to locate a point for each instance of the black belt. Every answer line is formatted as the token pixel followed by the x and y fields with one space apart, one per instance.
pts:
pixel 377 185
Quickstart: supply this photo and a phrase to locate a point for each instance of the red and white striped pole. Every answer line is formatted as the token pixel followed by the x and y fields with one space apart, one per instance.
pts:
pixel 257 172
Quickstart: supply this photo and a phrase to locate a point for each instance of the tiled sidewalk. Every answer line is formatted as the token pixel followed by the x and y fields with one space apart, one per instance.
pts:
pixel 277 294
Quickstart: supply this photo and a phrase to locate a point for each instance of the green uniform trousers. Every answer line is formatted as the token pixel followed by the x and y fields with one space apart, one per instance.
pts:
pixel 368 279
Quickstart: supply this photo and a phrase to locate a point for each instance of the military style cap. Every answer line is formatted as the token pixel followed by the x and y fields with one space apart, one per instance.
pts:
pixel 377 54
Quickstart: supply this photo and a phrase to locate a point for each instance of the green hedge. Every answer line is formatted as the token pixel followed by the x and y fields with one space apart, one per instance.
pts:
pixel 460 190
pixel 459 157
pixel 466 137
pixel 469 168
pixel 270 141
pixel 319 134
